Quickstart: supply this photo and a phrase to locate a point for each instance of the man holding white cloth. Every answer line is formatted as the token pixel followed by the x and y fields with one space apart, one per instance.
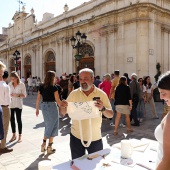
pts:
pixel 88 128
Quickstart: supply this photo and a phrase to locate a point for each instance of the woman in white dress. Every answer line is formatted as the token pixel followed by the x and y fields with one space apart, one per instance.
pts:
pixel 162 130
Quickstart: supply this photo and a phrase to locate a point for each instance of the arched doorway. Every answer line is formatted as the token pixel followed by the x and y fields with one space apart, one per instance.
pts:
pixel 50 62
pixel 27 66
pixel 88 57
pixel 12 65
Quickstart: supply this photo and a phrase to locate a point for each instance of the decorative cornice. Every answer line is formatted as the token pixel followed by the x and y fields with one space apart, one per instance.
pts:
pixel 165 28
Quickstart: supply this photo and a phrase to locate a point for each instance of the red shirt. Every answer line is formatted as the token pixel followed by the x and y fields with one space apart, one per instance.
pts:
pixel 106 86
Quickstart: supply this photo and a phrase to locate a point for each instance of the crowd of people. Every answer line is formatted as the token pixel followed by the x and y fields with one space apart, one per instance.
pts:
pixel 118 98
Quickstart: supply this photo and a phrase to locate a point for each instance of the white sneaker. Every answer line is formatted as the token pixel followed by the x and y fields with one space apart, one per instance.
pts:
pixel 111 124
pixel 122 125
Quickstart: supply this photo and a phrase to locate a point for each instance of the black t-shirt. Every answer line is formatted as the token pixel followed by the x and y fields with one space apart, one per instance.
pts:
pixel 48 93
pixel 76 85
pixel 122 95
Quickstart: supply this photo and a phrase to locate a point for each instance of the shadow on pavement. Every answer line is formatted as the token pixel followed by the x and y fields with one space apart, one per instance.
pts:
pixel 64 126
pixel 39 125
pixel 34 165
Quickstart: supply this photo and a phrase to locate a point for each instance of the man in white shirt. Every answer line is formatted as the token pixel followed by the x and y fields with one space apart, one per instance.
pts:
pixel 5 100
pixel 30 85
pixel 23 80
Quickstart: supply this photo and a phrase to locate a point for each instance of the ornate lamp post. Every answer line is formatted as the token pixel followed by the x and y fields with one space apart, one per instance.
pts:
pixel 16 58
pixel 81 39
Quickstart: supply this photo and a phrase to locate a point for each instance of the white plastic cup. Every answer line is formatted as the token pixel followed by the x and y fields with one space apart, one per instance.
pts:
pixel 126 148
pixel 45 165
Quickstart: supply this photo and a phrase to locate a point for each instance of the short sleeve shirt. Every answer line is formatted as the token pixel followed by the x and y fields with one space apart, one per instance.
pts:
pixel 79 96
pixel 29 81
pixel 48 93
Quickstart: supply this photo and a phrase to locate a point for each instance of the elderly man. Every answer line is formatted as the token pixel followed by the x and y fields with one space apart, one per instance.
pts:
pixel 134 90
pixel 4 102
pixel 87 92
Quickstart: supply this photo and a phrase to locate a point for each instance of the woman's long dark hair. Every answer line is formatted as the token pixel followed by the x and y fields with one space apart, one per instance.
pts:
pixel 122 80
pixel 72 78
pixel 145 82
pixel 164 81
pixel 49 79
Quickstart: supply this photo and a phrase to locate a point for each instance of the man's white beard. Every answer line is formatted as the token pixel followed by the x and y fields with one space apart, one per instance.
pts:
pixel 87 89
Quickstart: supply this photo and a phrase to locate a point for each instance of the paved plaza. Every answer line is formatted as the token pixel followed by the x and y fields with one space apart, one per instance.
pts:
pixel 27 155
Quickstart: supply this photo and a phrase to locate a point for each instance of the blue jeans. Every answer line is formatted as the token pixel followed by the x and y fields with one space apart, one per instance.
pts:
pixel 140 108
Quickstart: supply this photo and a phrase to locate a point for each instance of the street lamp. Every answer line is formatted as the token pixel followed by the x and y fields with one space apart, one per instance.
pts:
pixel 81 39
pixel 16 58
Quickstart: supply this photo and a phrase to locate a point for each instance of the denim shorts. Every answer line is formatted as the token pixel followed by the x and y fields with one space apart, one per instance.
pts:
pixel 51 118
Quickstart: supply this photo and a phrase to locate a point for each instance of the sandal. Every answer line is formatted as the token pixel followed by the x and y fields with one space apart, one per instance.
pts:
pixel 115 133
pixel 12 139
pixel 129 130
pixel 50 150
pixel 19 139
pixel 43 146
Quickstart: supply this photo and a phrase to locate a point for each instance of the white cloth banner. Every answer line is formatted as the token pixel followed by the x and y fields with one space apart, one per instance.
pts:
pixel 82 110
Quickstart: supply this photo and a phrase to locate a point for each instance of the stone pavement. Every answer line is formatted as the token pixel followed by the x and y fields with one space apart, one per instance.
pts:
pixel 26 154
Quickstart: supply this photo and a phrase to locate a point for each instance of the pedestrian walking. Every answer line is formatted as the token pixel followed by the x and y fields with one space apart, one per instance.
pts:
pixel 149 97
pixel 123 104
pixel 5 100
pixel 18 92
pixel 48 91
pixel 134 90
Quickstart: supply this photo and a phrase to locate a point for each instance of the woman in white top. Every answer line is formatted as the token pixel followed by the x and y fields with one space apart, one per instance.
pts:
pixel 18 92
pixel 162 130
pixel 149 97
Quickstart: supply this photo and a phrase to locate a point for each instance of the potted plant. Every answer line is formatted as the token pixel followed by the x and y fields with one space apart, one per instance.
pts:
pixel 156 94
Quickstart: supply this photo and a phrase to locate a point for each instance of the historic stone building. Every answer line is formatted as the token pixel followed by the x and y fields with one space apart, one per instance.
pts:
pixel 131 36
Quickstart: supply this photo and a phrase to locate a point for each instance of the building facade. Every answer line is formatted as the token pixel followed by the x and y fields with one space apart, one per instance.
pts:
pixel 132 36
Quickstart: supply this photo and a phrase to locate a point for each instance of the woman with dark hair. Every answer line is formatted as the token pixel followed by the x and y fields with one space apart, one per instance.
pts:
pixel 18 92
pixel 149 95
pixel 50 98
pixel 162 130
pixel 70 83
pixel 123 104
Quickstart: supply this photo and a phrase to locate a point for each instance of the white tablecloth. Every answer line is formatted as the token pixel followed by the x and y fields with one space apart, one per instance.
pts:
pixel 146 158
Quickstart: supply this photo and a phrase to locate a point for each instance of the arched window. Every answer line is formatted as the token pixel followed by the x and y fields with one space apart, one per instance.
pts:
pixel 50 61
pixel 50 57
pixel 86 50
pixel 12 63
pixel 27 60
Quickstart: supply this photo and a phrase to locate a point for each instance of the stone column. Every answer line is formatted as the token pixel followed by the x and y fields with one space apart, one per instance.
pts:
pixel 103 52
pixel 37 59
pixel 40 57
pixel 33 61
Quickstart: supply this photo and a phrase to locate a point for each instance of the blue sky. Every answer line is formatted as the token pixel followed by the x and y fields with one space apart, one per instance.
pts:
pixel 9 7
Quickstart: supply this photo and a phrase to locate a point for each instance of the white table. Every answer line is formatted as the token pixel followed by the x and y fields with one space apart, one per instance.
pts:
pixel 146 158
